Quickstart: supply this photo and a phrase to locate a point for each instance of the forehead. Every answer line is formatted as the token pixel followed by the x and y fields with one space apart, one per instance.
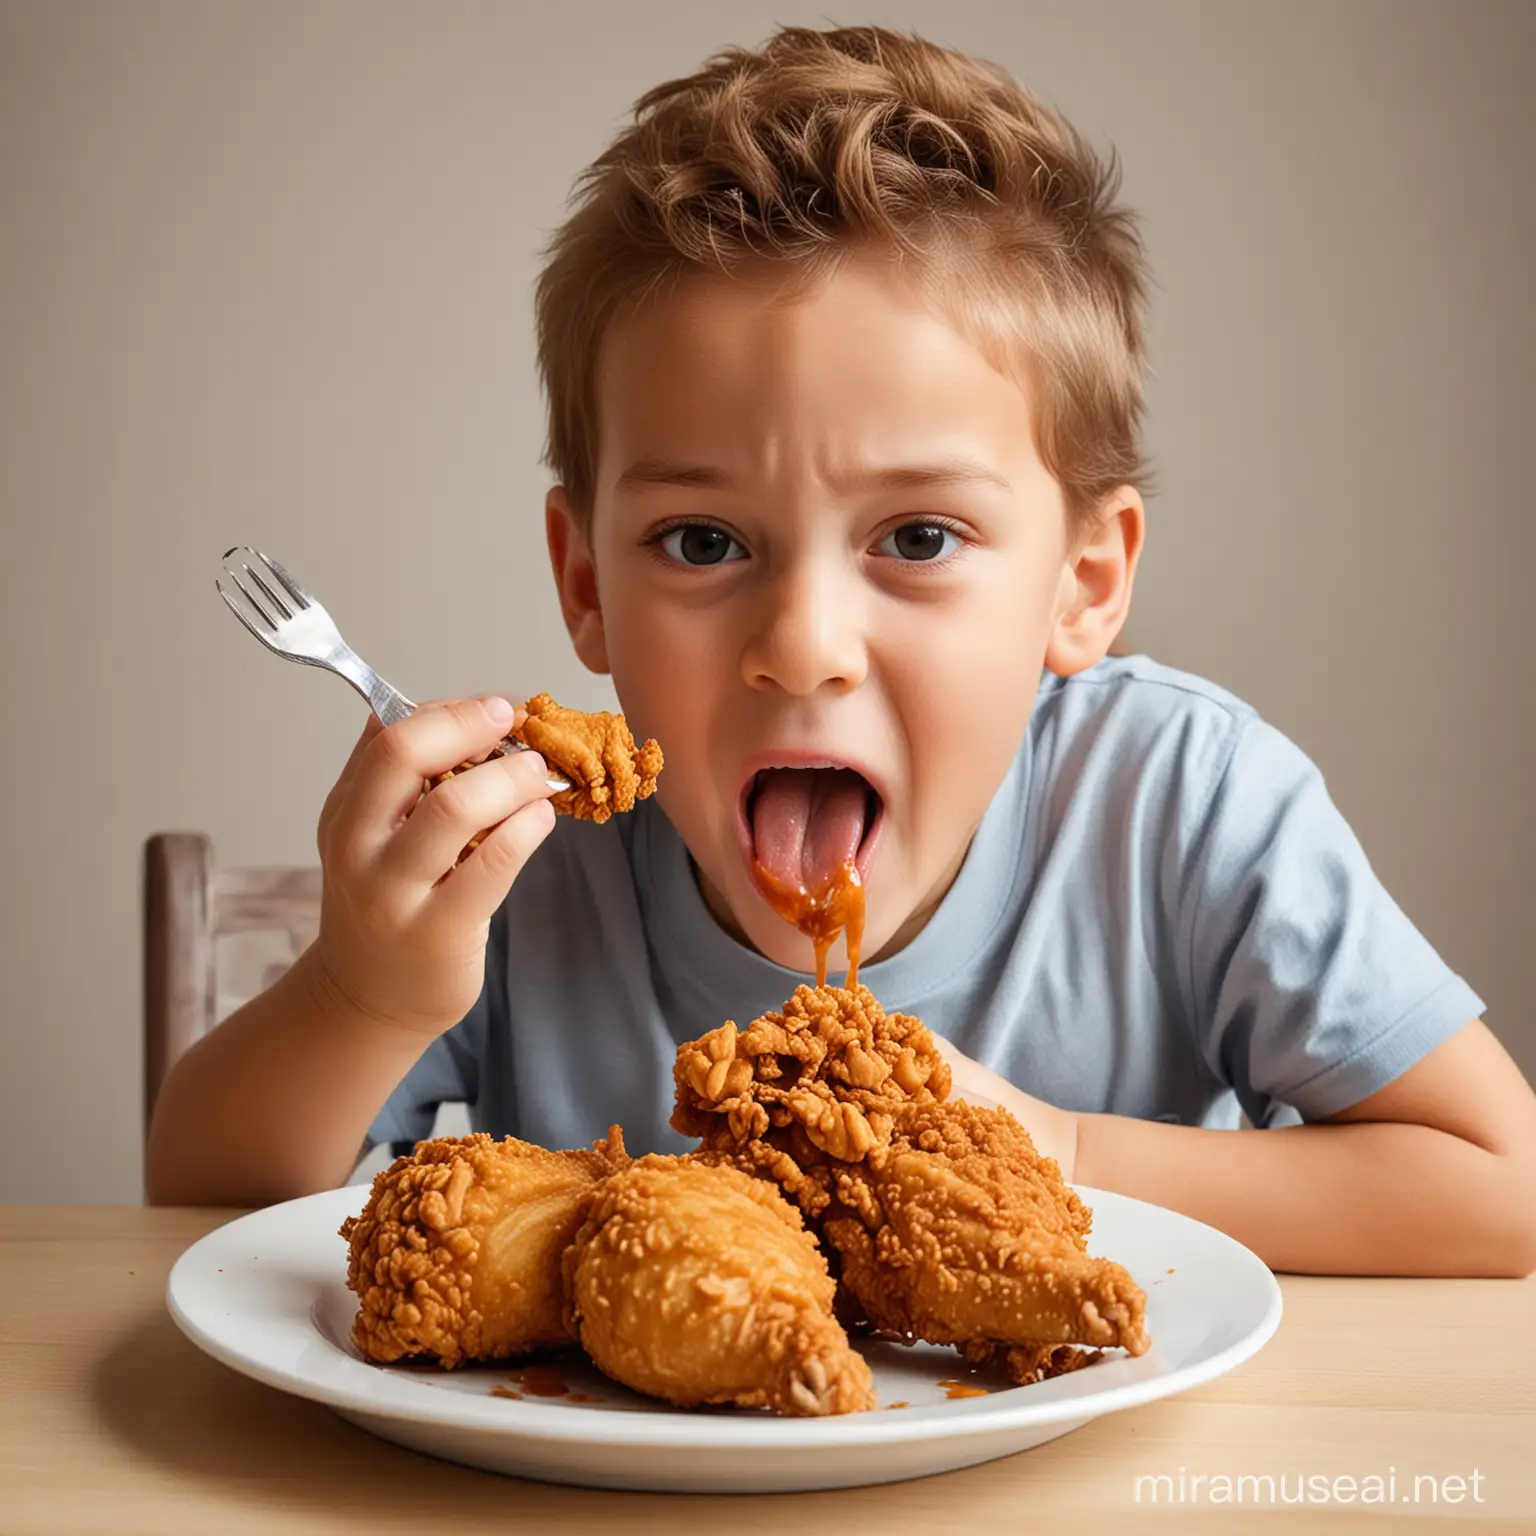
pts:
pixel 773 379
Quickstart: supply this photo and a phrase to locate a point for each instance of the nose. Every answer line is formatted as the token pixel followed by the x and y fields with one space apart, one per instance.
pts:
pixel 808 634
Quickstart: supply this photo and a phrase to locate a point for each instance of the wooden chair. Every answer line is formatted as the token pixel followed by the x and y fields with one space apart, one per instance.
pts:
pixel 213 938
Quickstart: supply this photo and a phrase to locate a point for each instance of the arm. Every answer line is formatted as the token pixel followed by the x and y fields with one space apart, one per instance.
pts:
pixel 1295 960
pixel 275 1102
pixel 1431 1175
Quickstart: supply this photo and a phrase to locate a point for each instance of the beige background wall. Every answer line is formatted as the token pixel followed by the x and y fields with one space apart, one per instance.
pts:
pixel 265 276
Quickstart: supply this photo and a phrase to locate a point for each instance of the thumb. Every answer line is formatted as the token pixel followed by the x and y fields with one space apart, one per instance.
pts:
pixel 518 702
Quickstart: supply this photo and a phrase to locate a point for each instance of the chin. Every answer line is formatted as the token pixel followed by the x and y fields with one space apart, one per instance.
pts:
pixel 755 922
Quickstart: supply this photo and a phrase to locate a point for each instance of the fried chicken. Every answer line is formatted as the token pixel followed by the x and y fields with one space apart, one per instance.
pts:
pixel 959 1232
pixel 941 1220
pixel 818 1083
pixel 456 1255
pixel 595 753
pixel 1026 1363
pixel 697 1283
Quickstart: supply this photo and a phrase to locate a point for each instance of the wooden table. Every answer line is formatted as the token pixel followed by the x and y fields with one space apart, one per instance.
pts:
pixel 111 1421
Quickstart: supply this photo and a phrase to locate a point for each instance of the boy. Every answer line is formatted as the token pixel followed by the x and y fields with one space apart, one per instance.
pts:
pixel 843 349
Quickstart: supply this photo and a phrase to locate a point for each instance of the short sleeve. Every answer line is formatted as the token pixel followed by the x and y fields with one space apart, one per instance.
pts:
pixel 1309 985
pixel 445 1074
pixel 448 1071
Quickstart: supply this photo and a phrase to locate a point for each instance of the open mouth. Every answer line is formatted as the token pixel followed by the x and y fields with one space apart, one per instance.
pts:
pixel 804 822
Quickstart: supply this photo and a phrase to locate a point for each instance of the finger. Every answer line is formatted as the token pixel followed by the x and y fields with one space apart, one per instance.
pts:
pixel 516 700
pixel 387 782
pixel 473 891
pixel 371 728
pixel 443 821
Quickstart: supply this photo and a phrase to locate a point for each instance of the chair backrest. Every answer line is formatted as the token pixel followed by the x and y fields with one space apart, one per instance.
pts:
pixel 213 938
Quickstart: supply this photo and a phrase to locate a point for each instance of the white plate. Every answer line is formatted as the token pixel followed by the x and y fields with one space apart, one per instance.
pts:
pixel 267 1295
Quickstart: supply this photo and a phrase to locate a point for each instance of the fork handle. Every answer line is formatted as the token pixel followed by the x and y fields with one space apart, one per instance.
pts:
pixel 384 699
pixel 390 705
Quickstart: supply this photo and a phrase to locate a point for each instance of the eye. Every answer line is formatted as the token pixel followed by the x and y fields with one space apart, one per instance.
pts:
pixel 698 544
pixel 919 543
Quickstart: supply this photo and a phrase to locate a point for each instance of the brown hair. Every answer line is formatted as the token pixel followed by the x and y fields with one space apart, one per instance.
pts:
pixel 824 143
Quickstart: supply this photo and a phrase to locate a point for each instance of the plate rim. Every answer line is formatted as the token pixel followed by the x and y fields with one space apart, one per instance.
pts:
pixel 684 1430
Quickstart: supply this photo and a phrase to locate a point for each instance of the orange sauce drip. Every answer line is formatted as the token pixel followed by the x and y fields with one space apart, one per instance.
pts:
pixel 516 1397
pixel 543 1381
pixel 582 1397
pixel 821 914
pixel 897 1405
pixel 962 1389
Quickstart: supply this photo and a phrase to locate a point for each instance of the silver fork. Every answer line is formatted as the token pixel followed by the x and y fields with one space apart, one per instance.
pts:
pixel 292 623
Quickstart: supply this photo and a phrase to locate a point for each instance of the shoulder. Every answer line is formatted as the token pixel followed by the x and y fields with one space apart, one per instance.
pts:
pixel 1147 719
pixel 1131 688
pixel 1148 738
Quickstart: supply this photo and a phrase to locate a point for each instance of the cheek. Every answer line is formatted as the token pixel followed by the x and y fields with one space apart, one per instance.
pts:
pixel 964 688
pixel 662 666
pixel 963 740
pixel 970 653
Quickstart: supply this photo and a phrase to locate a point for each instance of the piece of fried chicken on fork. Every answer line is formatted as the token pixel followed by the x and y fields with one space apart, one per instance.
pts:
pixel 959 1232
pixel 456 1255
pixel 697 1283
pixel 595 753
pixel 821 1081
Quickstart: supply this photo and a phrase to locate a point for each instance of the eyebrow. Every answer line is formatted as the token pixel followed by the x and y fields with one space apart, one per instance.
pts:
pixel 649 471
pixel 946 471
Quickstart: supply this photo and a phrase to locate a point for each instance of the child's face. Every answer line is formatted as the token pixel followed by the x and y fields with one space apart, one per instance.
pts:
pixel 822 534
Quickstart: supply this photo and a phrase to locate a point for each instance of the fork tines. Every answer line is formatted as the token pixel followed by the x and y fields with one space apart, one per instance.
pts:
pixel 253 563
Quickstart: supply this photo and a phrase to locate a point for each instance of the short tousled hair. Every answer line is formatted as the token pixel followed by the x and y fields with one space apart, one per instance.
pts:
pixel 824 144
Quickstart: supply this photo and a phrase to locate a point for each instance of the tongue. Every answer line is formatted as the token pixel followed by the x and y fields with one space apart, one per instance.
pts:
pixel 807 823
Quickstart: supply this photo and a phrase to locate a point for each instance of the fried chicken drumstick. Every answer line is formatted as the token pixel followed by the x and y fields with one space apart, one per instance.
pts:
pixel 959 1232
pixel 456 1255
pixel 945 1223
pixel 699 1284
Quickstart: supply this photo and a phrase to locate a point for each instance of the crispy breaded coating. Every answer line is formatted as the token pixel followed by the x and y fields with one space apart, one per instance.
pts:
pixel 959 1232
pixel 696 1283
pixel 822 1079
pixel 456 1255
pixel 595 753
pixel 941 1220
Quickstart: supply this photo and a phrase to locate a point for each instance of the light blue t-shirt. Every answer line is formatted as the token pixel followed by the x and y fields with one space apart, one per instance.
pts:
pixel 1162 914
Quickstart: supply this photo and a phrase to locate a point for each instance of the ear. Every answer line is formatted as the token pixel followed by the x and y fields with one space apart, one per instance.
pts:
pixel 570 556
pixel 1095 593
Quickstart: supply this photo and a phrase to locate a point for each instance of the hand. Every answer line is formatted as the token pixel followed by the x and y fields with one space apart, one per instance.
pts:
pixel 403 928
pixel 1053 1131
